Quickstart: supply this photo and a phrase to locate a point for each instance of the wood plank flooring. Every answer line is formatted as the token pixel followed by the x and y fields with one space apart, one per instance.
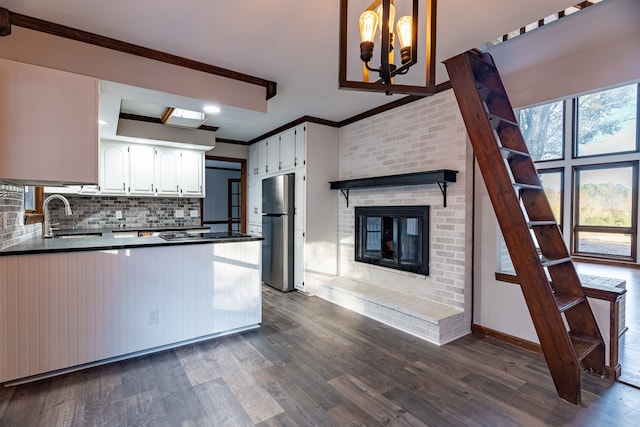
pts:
pixel 312 363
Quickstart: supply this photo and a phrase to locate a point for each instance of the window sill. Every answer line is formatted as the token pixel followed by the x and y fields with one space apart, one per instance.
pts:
pixel 33 218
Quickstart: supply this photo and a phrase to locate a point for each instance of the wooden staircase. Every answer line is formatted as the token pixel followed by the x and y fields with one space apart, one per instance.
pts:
pixel 567 330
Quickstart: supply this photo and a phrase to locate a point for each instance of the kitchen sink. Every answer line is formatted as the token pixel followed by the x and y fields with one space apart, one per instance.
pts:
pixel 77 236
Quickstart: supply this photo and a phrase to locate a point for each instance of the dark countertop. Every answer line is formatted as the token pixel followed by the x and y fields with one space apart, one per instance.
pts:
pixel 107 241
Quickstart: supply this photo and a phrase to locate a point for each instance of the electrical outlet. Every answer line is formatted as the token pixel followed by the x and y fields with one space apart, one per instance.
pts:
pixel 179 213
pixel 118 214
pixel 153 316
pixel 194 213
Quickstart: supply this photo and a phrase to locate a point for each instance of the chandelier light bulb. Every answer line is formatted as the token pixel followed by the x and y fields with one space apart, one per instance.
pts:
pixel 392 17
pixel 405 33
pixel 403 28
pixel 368 24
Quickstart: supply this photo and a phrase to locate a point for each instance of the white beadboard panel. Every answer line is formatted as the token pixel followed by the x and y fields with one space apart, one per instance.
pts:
pixel 68 309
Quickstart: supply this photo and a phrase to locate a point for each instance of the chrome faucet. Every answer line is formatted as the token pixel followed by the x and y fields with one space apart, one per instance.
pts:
pixel 47 229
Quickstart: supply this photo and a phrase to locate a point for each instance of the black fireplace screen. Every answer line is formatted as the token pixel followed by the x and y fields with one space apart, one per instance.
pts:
pixel 393 236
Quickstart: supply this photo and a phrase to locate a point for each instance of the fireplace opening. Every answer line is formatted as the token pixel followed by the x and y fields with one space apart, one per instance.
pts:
pixel 393 236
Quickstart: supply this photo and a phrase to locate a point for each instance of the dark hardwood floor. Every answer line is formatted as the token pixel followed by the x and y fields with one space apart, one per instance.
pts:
pixel 312 363
pixel 629 341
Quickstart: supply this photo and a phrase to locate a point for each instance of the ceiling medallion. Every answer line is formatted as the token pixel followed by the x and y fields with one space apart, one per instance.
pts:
pixel 373 26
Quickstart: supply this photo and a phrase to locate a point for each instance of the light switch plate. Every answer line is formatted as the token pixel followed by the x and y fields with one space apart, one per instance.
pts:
pixel 193 213
pixel 179 213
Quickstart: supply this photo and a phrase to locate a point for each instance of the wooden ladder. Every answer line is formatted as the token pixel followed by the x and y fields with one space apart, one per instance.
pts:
pixel 567 330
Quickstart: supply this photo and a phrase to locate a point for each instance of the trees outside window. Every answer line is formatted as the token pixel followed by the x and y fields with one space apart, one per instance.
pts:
pixel 592 140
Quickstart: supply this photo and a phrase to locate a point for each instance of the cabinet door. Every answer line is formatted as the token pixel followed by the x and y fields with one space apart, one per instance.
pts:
pixel 299 239
pixel 167 171
pixel 301 145
pixel 114 167
pixel 273 155
pixel 192 173
pixel 254 207
pixel 141 169
pixel 262 157
pixel 288 150
pixel 253 160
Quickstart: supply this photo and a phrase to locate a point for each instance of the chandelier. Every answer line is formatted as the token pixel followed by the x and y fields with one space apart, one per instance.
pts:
pixel 391 45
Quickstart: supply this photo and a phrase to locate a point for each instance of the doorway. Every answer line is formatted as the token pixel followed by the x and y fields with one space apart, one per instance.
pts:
pixel 224 203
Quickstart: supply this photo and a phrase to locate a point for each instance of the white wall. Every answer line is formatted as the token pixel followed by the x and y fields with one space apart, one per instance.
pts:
pixel 424 135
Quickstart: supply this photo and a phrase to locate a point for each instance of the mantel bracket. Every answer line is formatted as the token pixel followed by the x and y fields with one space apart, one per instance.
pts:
pixel 346 195
pixel 443 188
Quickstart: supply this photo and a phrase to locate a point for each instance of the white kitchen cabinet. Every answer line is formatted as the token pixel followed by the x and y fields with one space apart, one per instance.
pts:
pixel 316 206
pixel 49 125
pixel 141 169
pixel 273 155
pixel 253 160
pixel 262 157
pixel 114 167
pixel 192 173
pixel 255 202
pixel 287 150
pixel 301 145
pixel 167 172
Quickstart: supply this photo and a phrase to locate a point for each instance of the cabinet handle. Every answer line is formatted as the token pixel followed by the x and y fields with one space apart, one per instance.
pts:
pixel 280 165
pixel 124 186
pixel 177 189
pixel 152 188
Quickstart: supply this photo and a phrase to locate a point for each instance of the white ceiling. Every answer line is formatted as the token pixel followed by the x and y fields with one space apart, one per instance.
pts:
pixel 291 42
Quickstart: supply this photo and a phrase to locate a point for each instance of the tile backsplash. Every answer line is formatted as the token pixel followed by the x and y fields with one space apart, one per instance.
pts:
pixel 12 228
pixel 93 212
pixel 100 212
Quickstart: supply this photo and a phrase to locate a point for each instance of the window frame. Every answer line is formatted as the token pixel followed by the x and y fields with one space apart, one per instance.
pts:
pixel 36 215
pixel 575 207
pixel 561 171
pixel 575 121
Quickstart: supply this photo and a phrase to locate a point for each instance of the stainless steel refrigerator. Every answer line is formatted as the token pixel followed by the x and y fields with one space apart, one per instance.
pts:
pixel 278 231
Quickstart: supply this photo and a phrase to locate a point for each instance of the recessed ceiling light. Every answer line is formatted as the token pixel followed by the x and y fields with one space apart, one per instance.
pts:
pixel 211 109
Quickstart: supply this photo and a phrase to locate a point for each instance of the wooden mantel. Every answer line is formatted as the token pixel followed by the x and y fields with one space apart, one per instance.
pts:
pixel 442 177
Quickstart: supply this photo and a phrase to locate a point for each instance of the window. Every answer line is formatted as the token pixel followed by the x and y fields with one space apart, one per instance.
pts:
pixel 593 140
pixel 605 210
pixel 553 183
pixel 542 128
pixel 393 236
pixel 606 122
pixel 33 199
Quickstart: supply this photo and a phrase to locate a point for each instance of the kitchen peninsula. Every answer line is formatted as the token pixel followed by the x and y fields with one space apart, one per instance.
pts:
pixel 76 302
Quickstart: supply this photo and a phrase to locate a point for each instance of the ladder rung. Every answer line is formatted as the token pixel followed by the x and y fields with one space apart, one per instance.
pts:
pixel 479 65
pixel 546 262
pixel 496 121
pixel 565 301
pixel 486 93
pixel 520 186
pixel 541 223
pixel 508 153
pixel 583 344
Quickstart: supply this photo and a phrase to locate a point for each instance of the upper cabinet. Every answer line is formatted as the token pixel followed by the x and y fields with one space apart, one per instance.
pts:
pixel 192 173
pixel 141 169
pixel 278 154
pixel 167 171
pixel 49 122
pixel 148 170
pixel 114 167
